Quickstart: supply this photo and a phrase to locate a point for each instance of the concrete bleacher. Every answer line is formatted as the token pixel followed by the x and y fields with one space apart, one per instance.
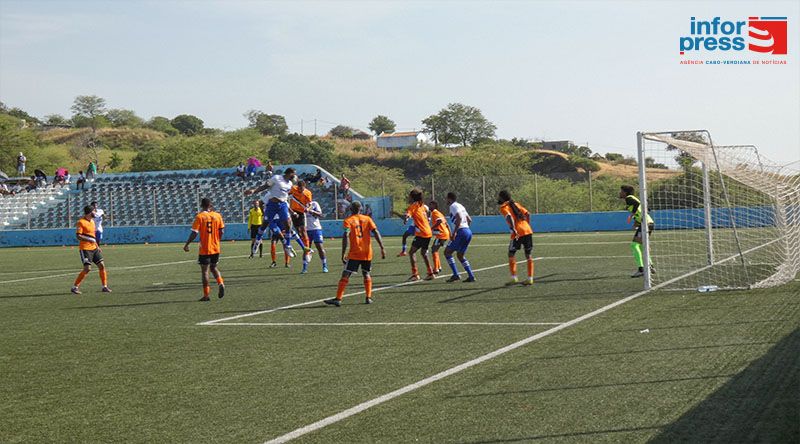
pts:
pixel 17 209
pixel 163 198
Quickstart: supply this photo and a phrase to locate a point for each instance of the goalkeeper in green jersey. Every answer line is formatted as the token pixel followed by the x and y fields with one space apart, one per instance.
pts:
pixel 634 206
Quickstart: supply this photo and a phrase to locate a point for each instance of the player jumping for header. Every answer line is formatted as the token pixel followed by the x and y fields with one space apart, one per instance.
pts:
pixel 277 196
pixel 358 229
pixel 634 206
pixel 518 220
pixel 209 225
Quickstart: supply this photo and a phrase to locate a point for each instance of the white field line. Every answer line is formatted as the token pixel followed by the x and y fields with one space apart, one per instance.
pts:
pixel 461 367
pixel 326 324
pixel 133 267
pixel 34 271
pixel 317 301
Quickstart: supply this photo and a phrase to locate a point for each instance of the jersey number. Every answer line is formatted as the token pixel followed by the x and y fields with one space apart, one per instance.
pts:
pixel 359 231
pixel 209 227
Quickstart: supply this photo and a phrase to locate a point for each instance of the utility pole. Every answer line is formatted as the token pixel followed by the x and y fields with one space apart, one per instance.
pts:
pixel 301 126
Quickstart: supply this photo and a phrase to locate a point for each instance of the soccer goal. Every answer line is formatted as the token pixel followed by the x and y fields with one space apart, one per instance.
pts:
pixel 725 217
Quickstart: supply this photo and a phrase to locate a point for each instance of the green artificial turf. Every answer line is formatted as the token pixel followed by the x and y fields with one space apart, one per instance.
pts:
pixel 135 366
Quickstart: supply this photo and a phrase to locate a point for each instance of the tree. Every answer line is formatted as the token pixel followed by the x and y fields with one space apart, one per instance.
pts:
pixel 342 131
pixel 583 163
pixel 267 124
pixel 614 157
pixel 22 115
pixel 381 124
pixel 187 124
pixel 461 123
pixel 116 160
pixel 90 109
pixel 436 126
pixel 162 124
pixel 56 120
pixel 124 117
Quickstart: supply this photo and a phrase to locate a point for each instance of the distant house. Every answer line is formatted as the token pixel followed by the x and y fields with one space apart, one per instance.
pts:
pixel 361 135
pixel 406 139
pixel 557 145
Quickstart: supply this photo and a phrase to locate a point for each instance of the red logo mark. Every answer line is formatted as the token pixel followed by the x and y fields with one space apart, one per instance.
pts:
pixel 768 35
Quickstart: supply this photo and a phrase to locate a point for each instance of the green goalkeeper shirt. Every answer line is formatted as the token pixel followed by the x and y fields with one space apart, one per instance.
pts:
pixel 634 206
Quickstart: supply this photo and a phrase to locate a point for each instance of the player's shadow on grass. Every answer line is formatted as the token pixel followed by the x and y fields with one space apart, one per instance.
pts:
pixel 42 295
pixel 546 279
pixel 759 404
pixel 138 304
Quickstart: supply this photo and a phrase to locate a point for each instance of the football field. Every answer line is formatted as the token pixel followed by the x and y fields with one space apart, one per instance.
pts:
pixel 584 355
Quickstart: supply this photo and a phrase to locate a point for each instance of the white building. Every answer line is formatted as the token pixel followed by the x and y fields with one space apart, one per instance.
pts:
pixel 407 139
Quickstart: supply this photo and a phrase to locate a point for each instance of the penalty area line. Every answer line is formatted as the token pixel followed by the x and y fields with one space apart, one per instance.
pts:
pixel 326 324
pixel 317 301
pixel 481 359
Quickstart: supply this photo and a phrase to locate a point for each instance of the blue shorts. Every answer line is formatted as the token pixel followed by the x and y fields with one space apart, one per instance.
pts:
pixel 411 230
pixel 98 235
pixel 279 208
pixel 315 236
pixel 461 242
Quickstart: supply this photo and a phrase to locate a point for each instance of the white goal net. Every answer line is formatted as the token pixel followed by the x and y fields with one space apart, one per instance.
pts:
pixel 725 217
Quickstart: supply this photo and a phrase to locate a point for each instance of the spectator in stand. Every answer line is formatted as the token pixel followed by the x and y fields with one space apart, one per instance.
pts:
pixel 240 170
pixel 268 169
pixel 343 205
pixel 21 160
pixel 4 190
pixel 325 183
pixel 91 170
pixel 344 185
pixel 60 176
pixel 31 184
pixel 252 164
pixel 80 183
pixel 316 178
pixel 41 178
pixel 67 178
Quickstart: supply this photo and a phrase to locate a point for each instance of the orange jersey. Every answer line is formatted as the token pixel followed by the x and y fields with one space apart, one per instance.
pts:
pixel 86 228
pixel 444 229
pixel 360 236
pixel 418 212
pixel 521 225
pixel 298 201
pixel 208 224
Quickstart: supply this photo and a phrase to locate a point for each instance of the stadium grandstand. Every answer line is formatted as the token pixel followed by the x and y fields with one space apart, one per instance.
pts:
pixel 154 198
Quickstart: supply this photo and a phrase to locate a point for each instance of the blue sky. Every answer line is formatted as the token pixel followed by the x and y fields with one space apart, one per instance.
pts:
pixel 588 71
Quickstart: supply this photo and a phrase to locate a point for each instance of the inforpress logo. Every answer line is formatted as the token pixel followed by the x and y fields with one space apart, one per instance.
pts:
pixel 766 35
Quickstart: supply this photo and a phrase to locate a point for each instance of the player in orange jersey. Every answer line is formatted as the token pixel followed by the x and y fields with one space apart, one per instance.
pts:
pixel 418 212
pixel 518 220
pixel 209 225
pixel 299 199
pixel 89 250
pixel 441 232
pixel 358 230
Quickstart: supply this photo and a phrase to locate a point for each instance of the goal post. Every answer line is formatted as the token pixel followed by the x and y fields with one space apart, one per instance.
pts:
pixel 725 217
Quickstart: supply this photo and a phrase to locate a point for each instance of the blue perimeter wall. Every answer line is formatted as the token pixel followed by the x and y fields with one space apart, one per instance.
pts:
pixel 542 223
